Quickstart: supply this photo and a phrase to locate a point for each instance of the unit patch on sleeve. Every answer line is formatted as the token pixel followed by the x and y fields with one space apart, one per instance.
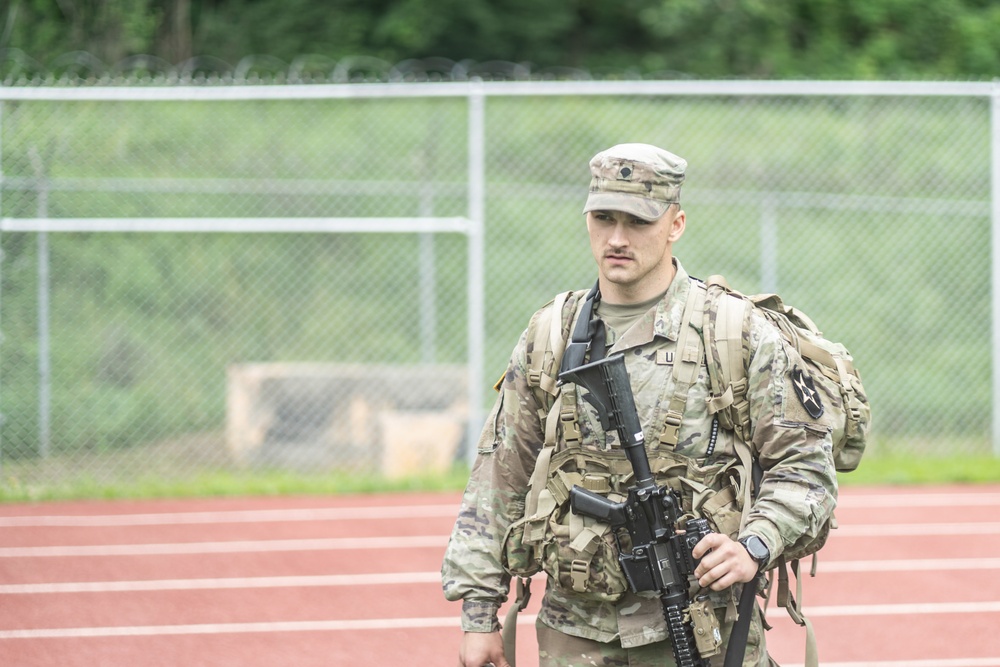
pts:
pixel 805 389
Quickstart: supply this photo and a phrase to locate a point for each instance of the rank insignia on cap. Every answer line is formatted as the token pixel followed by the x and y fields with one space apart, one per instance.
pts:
pixel 625 173
pixel 805 389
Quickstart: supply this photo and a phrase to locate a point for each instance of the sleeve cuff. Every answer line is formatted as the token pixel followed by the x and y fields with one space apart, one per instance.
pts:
pixel 480 616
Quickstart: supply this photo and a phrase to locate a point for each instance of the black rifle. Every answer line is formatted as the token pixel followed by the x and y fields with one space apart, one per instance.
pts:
pixel 660 559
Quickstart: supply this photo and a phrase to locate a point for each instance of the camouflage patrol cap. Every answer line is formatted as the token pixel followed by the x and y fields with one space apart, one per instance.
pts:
pixel 635 178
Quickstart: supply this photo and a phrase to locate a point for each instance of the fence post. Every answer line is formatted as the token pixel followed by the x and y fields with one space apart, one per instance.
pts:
pixel 44 360
pixel 477 194
pixel 1 281
pixel 995 255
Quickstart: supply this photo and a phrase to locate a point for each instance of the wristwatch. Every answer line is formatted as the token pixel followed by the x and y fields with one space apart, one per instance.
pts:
pixel 757 550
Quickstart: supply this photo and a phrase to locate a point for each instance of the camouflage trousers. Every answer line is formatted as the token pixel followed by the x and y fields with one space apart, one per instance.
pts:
pixel 557 649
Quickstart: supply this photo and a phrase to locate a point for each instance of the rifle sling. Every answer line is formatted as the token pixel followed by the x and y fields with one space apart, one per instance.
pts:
pixel 741 629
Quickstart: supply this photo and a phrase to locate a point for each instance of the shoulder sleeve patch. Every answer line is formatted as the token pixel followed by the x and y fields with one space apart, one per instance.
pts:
pixel 805 390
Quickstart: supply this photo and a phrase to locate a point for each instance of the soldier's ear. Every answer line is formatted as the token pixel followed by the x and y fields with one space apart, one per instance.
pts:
pixel 677 226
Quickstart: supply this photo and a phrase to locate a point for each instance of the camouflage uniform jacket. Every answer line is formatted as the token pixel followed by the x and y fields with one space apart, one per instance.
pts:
pixel 797 494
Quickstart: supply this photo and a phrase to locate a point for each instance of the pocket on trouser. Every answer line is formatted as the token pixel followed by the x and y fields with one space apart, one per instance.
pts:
pixel 756 654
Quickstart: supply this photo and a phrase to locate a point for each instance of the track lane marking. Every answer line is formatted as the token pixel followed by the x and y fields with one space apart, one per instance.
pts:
pixel 235 546
pixel 909 565
pixel 953 662
pixel 445 510
pixel 960 499
pixel 397 578
pixel 941 608
pixel 913 529
pixel 419 541
pixel 304 581
pixel 233 516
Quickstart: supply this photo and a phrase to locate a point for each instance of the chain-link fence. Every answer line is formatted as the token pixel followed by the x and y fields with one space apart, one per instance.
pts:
pixel 233 277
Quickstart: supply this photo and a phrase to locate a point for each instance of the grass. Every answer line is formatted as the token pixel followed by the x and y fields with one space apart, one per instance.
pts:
pixel 876 470
pixel 230 484
pixel 907 470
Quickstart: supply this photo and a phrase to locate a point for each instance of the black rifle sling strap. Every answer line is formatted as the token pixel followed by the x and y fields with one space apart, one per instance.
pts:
pixel 741 629
pixel 588 329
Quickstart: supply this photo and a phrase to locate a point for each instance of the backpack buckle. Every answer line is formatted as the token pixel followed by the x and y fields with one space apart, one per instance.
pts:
pixel 579 573
pixel 672 429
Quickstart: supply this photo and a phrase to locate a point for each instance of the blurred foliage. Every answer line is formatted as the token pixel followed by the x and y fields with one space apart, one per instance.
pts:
pixel 839 39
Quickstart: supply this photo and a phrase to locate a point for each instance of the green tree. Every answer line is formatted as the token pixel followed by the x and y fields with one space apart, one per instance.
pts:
pixel 828 38
pixel 698 38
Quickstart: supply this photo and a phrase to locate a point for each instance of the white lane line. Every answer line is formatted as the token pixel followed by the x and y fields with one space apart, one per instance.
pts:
pixel 910 565
pixel 234 516
pixel 953 662
pixel 931 499
pixel 912 529
pixel 236 546
pixel 300 581
pixel 397 578
pixel 446 510
pixel 905 609
pixel 437 622
pixel 229 628
pixel 388 542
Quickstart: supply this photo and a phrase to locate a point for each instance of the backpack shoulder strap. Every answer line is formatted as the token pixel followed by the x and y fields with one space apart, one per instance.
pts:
pixel 727 316
pixel 544 356
pixel 547 345
pixel 686 363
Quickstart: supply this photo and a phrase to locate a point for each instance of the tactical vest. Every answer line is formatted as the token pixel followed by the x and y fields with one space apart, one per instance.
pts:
pixel 578 552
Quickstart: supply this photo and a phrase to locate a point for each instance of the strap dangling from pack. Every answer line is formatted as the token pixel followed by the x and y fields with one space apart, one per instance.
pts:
pixel 509 632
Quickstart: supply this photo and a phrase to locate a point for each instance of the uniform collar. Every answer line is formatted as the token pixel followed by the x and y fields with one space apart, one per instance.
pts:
pixel 664 320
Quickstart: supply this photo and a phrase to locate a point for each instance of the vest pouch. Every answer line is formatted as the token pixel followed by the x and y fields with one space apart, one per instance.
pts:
pixel 857 425
pixel 518 558
pixel 721 510
pixel 714 494
pixel 581 557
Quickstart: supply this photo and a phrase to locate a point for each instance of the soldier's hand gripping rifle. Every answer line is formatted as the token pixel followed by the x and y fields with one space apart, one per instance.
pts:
pixel 660 559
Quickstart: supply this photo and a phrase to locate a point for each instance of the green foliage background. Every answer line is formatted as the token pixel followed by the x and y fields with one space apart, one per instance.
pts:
pixel 846 39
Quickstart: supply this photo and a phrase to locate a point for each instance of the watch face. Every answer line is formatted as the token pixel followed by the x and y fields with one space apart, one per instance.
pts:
pixel 755 546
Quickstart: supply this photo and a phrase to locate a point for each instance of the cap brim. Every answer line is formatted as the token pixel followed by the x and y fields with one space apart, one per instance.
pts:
pixel 640 207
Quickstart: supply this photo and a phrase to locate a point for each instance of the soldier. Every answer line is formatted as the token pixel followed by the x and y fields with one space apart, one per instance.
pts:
pixel 588 615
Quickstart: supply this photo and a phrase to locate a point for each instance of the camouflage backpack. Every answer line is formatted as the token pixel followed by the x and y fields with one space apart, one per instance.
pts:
pixel 842 403
pixel 830 389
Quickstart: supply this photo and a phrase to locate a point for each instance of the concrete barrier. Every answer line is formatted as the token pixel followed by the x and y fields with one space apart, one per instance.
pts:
pixel 399 420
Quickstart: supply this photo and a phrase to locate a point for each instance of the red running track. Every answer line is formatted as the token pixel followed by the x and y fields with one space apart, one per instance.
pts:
pixel 911 579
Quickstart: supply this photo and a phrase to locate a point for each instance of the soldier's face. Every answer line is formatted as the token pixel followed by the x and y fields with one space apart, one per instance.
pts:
pixel 634 256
